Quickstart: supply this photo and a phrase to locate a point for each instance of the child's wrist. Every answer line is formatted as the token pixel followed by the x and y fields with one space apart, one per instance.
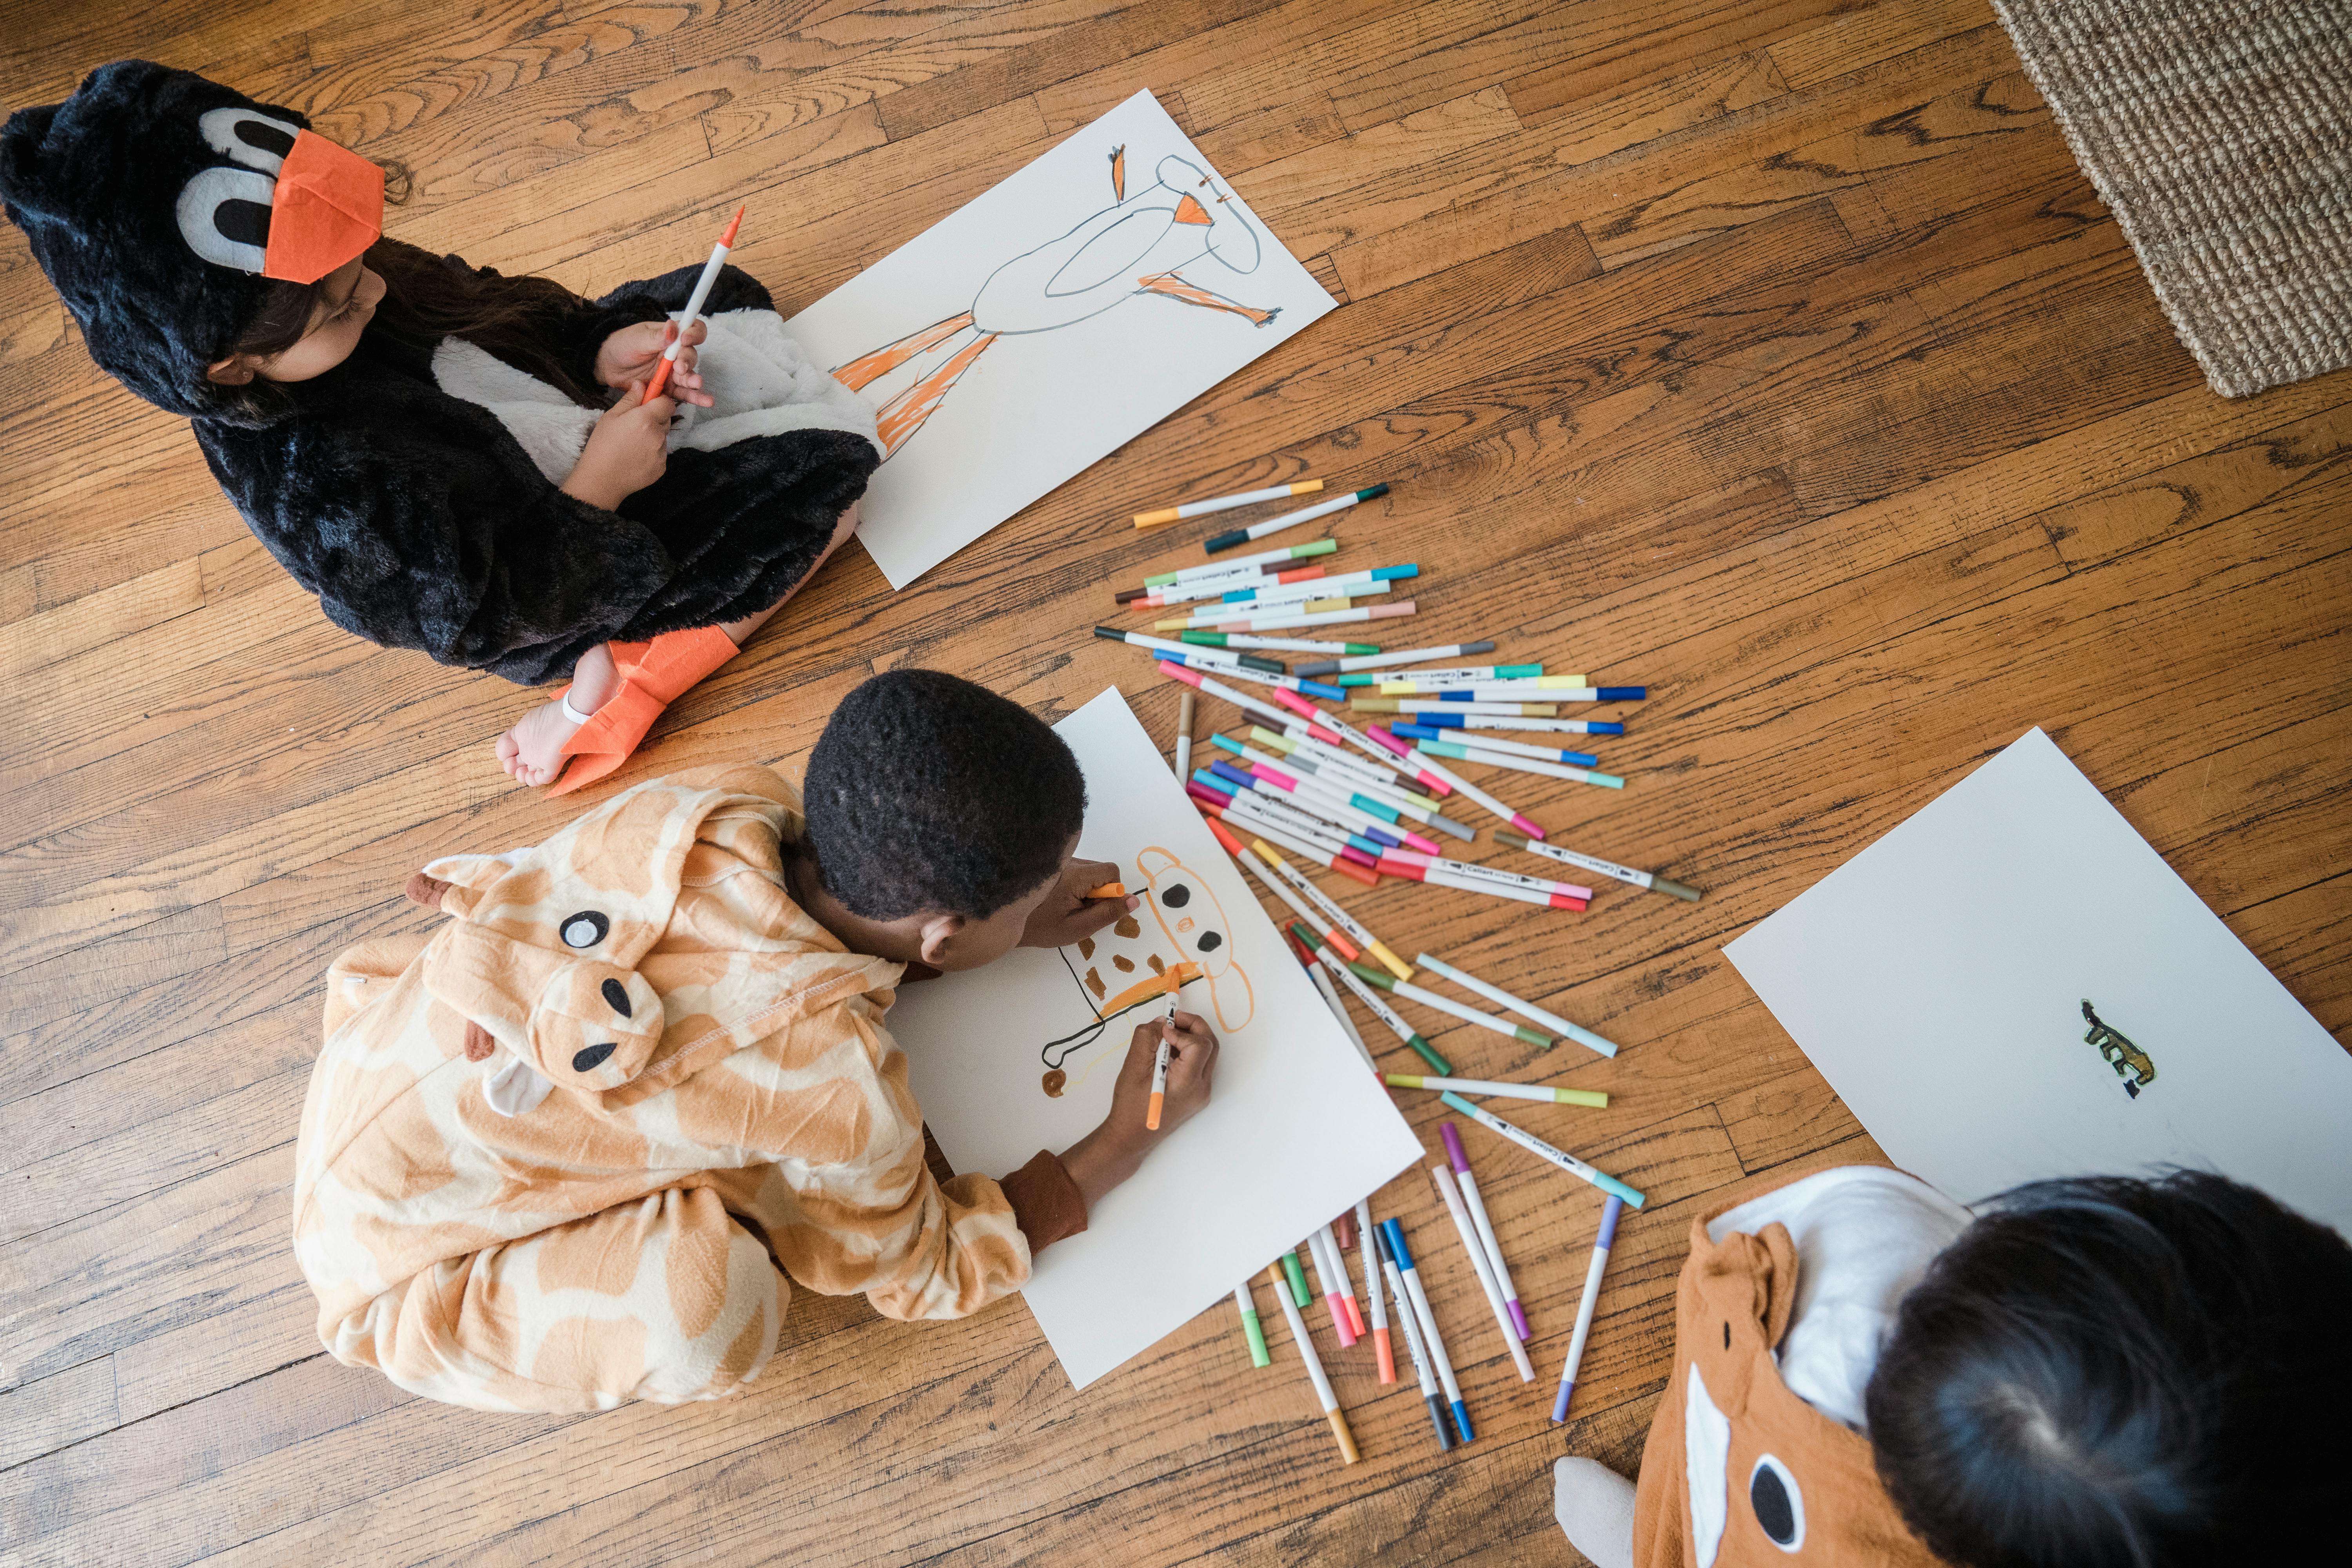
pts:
pixel 1106 1156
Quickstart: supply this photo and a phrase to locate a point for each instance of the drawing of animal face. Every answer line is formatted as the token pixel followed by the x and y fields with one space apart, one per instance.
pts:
pixel 1195 925
pixel 1127 966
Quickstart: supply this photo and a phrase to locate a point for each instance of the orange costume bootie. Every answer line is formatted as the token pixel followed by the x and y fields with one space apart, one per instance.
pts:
pixel 653 676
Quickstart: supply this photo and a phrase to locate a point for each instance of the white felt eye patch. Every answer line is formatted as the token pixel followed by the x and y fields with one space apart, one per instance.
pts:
pixel 224 215
pixel 254 139
pixel 224 211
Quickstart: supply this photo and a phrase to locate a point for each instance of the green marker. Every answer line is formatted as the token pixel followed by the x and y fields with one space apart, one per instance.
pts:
pixel 1387 1015
pixel 1388 983
pixel 1250 1331
pixel 1234 566
pixel 1297 1280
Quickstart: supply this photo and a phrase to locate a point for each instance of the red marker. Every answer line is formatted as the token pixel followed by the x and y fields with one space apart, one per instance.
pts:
pixel 694 306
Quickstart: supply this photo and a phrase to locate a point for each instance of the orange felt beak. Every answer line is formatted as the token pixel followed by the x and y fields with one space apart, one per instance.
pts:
pixel 1190 211
pixel 328 207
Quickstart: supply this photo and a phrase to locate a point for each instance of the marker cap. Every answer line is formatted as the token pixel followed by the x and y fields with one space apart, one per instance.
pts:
pixel 1250 1327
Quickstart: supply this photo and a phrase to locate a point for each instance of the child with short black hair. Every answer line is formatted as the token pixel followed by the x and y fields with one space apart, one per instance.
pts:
pixel 568 1150
pixel 2097 1372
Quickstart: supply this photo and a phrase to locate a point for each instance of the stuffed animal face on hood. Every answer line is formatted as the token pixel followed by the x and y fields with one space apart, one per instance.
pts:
pixel 542 955
pixel 165 207
pixel 1765 1478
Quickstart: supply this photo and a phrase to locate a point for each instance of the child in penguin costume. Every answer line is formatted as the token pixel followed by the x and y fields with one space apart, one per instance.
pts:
pixel 451 460
pixel 2100 1372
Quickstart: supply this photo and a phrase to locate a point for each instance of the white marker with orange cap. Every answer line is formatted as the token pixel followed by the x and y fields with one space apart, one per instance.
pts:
pixel 694 306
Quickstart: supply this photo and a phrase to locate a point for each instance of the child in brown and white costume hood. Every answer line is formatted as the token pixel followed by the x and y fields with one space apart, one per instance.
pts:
pixel 2097 1372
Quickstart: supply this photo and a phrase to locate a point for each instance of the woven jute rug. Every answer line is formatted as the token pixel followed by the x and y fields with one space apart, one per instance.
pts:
pixel 2220 132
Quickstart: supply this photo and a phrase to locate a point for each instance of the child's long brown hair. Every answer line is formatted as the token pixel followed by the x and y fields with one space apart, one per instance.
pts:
pixel 426 300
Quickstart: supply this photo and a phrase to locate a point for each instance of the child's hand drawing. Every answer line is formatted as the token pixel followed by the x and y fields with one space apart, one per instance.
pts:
pixel 1139 246
pixel 1187 939
pixel 1112 1152
pixel 1067 915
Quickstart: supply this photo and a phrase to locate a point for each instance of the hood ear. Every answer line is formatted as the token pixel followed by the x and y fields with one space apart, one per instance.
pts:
pixel 466 878
pixel 468 870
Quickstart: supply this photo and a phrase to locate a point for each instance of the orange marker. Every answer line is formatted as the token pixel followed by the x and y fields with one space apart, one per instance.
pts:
pixel 1107 890
pixel 694 307
pixel 1159 1063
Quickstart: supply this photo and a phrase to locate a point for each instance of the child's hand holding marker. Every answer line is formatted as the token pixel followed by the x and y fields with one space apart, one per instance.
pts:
pixel 1115 1151
pixel 627 450
pixel 1077 907
pixel 628 357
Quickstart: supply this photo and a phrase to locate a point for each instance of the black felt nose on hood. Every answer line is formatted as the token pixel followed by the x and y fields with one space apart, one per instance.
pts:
pixel 95 183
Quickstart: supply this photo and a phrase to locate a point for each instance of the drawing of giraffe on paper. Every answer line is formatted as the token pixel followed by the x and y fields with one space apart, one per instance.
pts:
pixel 1137 247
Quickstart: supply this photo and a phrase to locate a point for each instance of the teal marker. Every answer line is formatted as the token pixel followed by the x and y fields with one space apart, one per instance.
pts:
pixel 1460 674
pixel 1521 765
pixel 1541 1150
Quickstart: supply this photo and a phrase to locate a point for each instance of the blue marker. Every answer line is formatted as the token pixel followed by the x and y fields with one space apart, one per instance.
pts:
pixel 1489 722
pixel 1394 1232
pixel 1409 1321
pixel 1610 1210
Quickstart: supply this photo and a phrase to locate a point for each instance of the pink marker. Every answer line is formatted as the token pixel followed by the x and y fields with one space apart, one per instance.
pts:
pixel 1248 704
pixel 1460 1160
pixel 1326 1280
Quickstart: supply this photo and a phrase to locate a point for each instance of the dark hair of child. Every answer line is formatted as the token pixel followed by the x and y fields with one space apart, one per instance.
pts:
pixel 425 298
pixel 2109 1372
pixel 929 794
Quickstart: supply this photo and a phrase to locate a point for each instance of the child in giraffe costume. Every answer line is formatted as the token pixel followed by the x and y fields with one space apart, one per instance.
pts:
pixel 572 1147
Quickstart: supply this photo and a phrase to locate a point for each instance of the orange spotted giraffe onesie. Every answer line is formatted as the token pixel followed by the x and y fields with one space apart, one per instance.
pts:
pixel 566 1151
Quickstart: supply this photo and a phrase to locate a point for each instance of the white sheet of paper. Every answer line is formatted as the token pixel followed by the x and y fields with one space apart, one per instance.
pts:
pixel 1083 356
pixel 1295 1131
pixel 1937 981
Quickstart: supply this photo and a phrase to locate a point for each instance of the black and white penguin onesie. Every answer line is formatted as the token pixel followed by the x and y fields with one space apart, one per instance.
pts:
pixel 414 491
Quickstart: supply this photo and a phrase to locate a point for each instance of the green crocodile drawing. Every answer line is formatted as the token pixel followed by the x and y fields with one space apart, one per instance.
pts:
pixel 2131 1062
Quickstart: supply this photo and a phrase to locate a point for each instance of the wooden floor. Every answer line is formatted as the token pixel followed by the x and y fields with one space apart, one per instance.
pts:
pixel 1773 354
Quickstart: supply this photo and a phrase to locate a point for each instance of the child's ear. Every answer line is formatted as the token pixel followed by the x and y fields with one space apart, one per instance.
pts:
pixel 939 935
pixel 235 371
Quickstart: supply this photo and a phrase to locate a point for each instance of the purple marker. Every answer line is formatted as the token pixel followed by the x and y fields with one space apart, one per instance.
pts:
pixel 1609 1212
pixel 1460 1161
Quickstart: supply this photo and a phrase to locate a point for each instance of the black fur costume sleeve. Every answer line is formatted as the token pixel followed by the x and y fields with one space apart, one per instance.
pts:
pixel 420 522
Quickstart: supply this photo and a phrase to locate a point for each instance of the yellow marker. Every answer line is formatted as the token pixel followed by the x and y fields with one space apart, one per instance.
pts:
pixel 1323 1394
pixel 1589 1097
pixel 1225 503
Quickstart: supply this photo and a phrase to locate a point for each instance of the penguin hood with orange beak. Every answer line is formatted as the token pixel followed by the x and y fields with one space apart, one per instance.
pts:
pixel 163 206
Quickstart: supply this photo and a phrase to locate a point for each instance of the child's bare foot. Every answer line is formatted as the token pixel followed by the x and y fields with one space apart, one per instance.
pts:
pixel 533 751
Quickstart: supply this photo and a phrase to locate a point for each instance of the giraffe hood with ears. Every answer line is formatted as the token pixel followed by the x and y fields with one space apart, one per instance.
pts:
pixel 566 1149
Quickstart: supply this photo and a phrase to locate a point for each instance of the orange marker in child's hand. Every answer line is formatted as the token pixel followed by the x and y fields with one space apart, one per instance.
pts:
pixel 1159 1063
pixel 1105 890
pixel 694 307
